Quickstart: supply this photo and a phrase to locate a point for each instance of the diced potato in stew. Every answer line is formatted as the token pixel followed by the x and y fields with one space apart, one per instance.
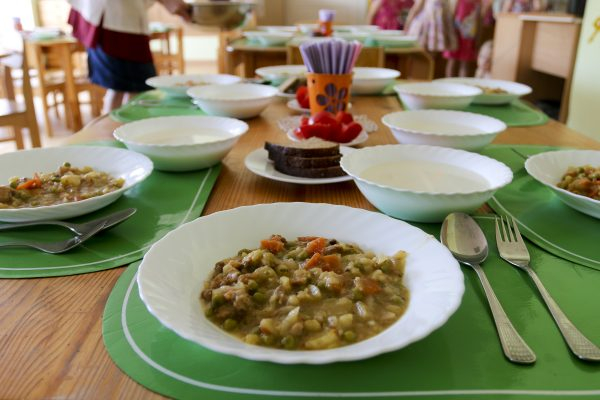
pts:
pixel 65 185
pixel 311 293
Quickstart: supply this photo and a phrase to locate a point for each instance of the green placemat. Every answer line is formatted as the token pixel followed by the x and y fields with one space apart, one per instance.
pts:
pixel 517 113
pixel 163 202
pixel 462 359
pixel 154 103
pixel 543 218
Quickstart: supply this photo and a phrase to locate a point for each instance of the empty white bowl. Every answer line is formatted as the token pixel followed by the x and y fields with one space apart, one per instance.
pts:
pixel 513 90
pixel 182 143
pixel 424 183
pixel 240 100
pixel 279 73
pixel 368 80
pixel 548 168
pixel 177 85
pixel 449 96
pixel 446 128
pixel 269 38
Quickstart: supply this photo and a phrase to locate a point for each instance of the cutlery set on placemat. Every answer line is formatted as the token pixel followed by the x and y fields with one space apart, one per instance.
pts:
pixel 83 231
pixel 466 241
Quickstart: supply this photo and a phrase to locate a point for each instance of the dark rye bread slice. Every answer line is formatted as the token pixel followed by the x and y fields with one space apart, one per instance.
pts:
pixel 313 147
pixel 326 172
pixel 306 162
pixel 311 158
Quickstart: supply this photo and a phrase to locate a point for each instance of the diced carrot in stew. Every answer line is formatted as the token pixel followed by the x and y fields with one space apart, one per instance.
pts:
pixel 316 246
pixel 36 182
pixel 313 261
pixel 332 262
pixel 273 245
pixel 370 286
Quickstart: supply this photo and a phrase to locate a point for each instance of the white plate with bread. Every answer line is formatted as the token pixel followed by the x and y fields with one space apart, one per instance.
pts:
pixel 310 162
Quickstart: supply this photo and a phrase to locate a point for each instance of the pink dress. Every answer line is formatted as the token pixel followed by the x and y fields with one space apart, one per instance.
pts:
pixel 433 26
pixel 392 14
pixel 467 17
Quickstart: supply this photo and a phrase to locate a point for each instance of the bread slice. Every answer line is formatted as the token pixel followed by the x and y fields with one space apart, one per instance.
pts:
pixel 307 162
pixel 313 147
pixel 325 172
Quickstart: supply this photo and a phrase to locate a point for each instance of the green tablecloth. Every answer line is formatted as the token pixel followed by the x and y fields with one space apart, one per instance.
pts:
pixel 461 360
pixel 155 103
pixel 543 218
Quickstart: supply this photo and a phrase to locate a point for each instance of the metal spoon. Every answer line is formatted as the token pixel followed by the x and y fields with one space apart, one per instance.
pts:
pixel 80 229
pixel 465 240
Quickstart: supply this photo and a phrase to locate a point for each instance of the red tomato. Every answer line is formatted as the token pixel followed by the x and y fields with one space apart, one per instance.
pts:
pixel 302 97
pixel 344 117
pixel 324 117
pixel 303 121
pixel 350 132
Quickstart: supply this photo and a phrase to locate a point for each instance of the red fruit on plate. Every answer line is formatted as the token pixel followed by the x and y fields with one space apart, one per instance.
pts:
pixel 302 97
pixel 303 121
pixel 324 117
pixel 350 132
pixel 344 117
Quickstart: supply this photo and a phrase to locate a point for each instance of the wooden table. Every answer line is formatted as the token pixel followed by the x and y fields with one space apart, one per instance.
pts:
pixel 243 58
pixel 63 47
pixel 50 329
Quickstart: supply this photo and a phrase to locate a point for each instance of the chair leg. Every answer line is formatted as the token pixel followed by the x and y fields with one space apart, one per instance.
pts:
pixel 46 111
pixel 55 99
pixel 18 134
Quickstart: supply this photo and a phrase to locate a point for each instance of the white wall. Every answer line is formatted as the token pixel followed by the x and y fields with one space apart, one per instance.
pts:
pixel 347 11
pixel 584 107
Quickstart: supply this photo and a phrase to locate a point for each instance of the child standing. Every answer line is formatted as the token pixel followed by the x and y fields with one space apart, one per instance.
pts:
pixel 389 14
pixel 467 19
pixel 431 22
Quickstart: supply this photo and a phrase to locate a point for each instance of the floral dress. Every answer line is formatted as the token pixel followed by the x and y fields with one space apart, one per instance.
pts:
pixel 467 17
pixel 433 26
pixel 392 14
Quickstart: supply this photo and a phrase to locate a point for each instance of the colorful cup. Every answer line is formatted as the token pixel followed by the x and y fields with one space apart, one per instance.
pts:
pixel 329 92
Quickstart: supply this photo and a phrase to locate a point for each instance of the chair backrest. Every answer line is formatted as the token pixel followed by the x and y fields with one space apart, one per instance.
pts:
pixel 168 58
pixel 23 117
pixel 368 57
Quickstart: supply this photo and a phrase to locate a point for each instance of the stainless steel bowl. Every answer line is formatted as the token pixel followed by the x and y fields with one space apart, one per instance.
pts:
pixel 223 14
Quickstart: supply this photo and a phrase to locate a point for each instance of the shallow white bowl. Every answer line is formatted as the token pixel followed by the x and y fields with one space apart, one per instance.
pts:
pixel 514 89
pixel 548 168
pixel 308 28
pixel 456 129
pixel 277 28
pixel 431 182
pixel 182 143
pixel 360 36
pixel 172 294
pixel 120 163
pixel 440 95
pixel 367 80
pixel 269 38
pixel 279 73
pixel 240 100
pixel 389 40
pixel 177 85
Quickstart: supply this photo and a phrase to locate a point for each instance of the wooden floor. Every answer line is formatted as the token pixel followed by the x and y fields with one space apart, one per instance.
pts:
pixel 58 124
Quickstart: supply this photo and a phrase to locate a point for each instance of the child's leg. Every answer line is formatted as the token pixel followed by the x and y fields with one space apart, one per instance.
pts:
pixel 463 69
pixel 450 67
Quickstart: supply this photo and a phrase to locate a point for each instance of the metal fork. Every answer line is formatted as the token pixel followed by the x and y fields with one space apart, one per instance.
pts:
pixel 513 250
pixel 60 246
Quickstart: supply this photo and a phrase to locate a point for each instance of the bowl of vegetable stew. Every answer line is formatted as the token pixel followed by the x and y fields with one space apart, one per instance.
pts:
pixel 226 271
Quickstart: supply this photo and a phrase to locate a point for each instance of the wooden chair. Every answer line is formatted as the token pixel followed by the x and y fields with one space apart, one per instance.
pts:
pixel 166 58
pixel 368 57
pixel 48 57
pixel 15 114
